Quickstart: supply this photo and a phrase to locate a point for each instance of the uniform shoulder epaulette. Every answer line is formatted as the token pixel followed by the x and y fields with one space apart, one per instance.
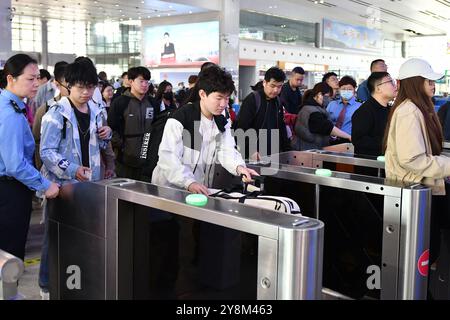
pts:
pixel 360 101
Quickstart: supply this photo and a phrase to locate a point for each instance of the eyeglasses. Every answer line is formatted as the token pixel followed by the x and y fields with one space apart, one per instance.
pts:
pixel 392 81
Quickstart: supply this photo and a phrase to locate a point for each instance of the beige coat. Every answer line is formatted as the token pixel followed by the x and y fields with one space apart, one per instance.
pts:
pixel 408 155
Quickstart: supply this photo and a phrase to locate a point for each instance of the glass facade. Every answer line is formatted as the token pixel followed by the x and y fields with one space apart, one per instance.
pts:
pixel 114 46
pixel 26 33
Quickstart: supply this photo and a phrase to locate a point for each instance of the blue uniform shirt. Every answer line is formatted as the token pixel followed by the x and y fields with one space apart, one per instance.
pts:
pixel 335 107
pixel 17 145
pixel 363 91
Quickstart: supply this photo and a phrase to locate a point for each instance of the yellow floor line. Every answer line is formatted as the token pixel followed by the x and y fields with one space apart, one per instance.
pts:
pixel 32 262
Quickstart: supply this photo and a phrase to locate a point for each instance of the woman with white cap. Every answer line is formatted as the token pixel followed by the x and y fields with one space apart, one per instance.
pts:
pixel 413 142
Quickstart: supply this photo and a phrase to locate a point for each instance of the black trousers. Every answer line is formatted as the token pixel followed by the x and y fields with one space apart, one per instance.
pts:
pixel 15 212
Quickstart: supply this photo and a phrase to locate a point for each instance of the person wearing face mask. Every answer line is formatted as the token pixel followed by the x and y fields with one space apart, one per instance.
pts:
pixel 314 126
pixel 164 98
pixel 341 111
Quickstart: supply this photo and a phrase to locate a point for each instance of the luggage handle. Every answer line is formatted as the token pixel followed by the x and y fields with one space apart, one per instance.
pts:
pixel 259 179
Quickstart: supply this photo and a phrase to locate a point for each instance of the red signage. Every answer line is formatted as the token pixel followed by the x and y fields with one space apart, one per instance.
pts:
pixel 422 264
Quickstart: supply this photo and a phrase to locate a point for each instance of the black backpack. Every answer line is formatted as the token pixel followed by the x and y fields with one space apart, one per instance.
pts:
pixel 156 134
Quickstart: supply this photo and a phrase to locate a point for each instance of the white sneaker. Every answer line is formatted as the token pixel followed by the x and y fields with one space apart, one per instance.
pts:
pixel 45 295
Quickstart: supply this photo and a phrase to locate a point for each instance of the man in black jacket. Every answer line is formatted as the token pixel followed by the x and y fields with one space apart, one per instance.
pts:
pixel 130 117
pixel 369 121
pixel 263 110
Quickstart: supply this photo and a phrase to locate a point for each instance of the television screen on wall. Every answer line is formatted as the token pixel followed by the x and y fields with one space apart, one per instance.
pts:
pixel 346 36
pixel 181 45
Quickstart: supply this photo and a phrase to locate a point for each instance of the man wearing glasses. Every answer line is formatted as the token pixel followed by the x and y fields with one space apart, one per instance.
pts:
pixel 369 121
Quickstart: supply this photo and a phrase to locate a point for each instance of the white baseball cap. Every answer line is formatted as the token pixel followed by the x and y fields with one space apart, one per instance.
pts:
pixel 417 67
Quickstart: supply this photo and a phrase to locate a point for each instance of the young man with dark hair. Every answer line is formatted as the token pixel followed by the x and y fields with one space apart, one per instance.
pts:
pixel 62 86
pixel 341 110
pixel 73 135
pixel 47 91
pixel 44 76
pixel 369 121
pixel 124 87
pixel 378 65
pixel 291 97
pixel 190 168
pixel 331 79
pixel 262 109
pixel 130 117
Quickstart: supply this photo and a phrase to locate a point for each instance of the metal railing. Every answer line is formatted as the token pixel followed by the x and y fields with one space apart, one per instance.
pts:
pixel 11 269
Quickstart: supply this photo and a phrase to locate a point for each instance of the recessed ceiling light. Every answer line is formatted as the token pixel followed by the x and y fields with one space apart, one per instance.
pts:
pixel 117 5
pixel 190 12
pixel 142 1
pixel 148 17
pixel 159 16
pixel 40 4
pixel 120 10
pixel 140 18
pixel 170 7
pixel 168 14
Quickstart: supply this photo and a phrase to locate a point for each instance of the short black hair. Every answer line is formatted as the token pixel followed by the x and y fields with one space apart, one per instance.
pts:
pixel 374 62
pixel 207 64
pixel 298 70
pixel 166 34
pixel 345 80
pixel 81 72
pixel 84 59
pixel 102 75
pixel 192 78
pixel 374 78
pixel 60 68
pixel 124 74
pixel 44 74
pixel 135 72
pixel 215 79
pixel 328 75
pixel 276 74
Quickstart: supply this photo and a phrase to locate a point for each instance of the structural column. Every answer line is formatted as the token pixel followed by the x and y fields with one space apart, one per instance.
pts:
pixel 229 37
pixel 44 38
pixel 6 15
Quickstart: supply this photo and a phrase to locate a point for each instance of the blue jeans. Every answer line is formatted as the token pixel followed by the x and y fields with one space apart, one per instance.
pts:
pixel 43 270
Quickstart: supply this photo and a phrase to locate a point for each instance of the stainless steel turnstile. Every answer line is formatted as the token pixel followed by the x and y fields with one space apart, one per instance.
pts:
pixel 11 269
pixel 405 214
pixel 317 159
pixel 91 243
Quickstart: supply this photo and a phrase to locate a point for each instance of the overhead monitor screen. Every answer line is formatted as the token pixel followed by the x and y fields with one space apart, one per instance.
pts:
pixel 181 45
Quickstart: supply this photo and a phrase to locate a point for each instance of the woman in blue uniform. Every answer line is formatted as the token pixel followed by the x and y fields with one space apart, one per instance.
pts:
pixel 18 177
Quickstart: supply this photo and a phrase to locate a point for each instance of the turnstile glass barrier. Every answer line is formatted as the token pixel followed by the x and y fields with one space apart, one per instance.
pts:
pixel 123 239
pixel 376 235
